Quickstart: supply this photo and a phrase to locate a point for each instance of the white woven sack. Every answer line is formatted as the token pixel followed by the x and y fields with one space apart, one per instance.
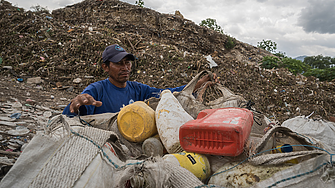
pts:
pixel 68 154
pixel 315 172
pixel 321 130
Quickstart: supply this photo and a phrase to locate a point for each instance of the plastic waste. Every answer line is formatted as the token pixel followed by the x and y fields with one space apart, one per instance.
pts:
pixel 19 131
pixel 222 131
pixel 6 123
pixel 210 61
pixel 153 146
pixel 170 116
pixel 196 163
pixel 136 122
pixel 285 148
pixel 16 116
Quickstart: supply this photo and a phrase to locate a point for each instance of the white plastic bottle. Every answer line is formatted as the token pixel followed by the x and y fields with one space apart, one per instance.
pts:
pixel 170 116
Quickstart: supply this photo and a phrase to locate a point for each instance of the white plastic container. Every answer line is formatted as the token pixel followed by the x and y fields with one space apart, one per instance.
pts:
pixel 170 116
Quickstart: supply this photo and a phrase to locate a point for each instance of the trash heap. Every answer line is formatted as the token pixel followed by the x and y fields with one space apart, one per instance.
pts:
pixel 170 50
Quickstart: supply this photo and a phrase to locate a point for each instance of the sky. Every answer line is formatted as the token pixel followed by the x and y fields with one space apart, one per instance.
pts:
pixel 298 27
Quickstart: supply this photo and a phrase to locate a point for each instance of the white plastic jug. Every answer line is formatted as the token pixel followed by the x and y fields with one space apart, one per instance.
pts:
pixel 170 116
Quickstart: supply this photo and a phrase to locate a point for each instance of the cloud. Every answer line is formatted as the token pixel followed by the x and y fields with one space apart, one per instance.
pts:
pixel 318 17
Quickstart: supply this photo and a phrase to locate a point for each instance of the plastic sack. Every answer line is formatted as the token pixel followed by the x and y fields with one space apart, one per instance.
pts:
pixel 70 154
pixel 193 105
pixel 266 169
pixel 321 130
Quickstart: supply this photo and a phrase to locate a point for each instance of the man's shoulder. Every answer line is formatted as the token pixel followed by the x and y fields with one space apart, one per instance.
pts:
pixel 136 84
pixel 99 83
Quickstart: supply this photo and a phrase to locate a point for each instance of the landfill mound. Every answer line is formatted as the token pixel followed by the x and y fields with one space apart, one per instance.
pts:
pixel 170 50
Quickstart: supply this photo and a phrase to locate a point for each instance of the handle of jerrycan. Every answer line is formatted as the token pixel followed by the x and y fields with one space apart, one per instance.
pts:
pixel 205 113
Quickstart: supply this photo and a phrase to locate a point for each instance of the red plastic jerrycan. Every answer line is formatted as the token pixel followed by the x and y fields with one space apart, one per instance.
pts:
pixel 222 131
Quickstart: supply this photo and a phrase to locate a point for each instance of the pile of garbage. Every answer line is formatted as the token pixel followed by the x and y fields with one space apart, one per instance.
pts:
pixel 64 49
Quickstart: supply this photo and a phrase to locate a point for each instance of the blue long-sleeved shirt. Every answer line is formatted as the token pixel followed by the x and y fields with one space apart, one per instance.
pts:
pixel 114 98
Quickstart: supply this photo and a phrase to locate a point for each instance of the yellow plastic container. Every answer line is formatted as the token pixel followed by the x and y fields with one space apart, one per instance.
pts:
pixel 196 163
pixel 136 122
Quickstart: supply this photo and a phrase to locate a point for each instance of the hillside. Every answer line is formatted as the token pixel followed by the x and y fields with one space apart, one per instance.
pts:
pixel 67 44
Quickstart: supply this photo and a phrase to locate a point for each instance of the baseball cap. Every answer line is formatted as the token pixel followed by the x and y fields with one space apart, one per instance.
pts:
pixel 115 53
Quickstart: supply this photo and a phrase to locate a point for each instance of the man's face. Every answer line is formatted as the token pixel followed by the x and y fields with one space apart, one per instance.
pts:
pixel 119 72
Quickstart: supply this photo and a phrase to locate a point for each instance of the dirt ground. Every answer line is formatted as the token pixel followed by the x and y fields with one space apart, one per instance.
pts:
pixel 11 89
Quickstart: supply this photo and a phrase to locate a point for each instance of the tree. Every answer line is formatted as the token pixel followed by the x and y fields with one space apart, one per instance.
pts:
pixel 295 66
pixel 319 61
pixel 268 45
pixel 39 8
pixel 323 74
pixel 140 3
pixel 211 23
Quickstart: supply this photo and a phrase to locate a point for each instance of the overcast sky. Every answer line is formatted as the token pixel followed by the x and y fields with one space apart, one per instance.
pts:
pixel 299 27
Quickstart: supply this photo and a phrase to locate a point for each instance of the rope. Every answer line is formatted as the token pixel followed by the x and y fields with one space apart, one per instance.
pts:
pixel 104 153
pixel 83 121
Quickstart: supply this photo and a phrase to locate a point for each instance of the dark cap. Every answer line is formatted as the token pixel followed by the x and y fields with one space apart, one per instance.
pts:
pixel 115 53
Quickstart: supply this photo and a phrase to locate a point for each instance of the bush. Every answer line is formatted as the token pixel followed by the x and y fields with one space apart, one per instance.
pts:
pixel 323 74
pixel 211 24
pixel 270 62
pixel 294 66
pixel 230 42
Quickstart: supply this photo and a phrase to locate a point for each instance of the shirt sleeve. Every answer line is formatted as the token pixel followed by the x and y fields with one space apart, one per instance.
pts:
pixel 155 92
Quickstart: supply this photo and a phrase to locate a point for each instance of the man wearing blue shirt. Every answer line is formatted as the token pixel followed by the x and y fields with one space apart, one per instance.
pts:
pixel 115 92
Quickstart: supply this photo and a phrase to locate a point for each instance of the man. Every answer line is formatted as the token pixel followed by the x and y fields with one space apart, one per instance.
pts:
pixel 115 92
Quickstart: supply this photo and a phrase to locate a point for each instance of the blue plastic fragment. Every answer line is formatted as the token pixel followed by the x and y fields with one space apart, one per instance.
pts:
pixel 15 115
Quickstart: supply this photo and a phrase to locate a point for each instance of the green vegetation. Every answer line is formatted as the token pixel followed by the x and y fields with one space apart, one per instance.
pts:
pixel 327 74
pixel 319 66
pixel 294 66
pixel 211 23
pixel 270 62
pixel 230 42
pixel 268 45
pixel 319 62
pixel 39 8
pixel 140 3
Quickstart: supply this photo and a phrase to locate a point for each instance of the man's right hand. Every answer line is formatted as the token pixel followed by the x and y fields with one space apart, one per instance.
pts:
pixel 83 99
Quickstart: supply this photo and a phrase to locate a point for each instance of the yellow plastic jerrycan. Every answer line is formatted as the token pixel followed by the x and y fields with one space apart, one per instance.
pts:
pixel 196 163
pixel 136 122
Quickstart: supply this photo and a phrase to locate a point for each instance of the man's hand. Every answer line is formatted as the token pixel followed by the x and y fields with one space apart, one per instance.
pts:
pixel 204 79
pixel 83 99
